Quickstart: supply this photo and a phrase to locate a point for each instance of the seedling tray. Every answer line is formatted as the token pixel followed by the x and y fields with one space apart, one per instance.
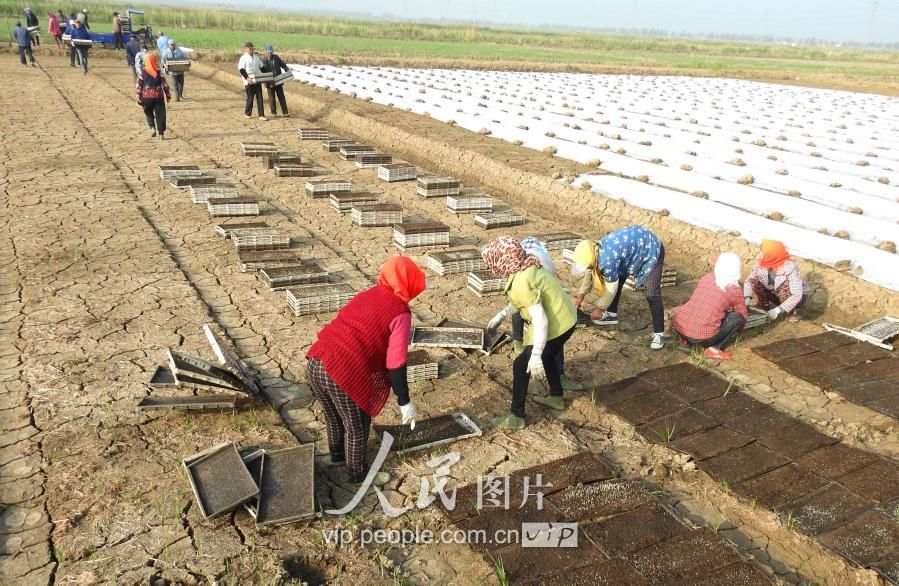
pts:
pixel 188 403
pixel 420 366
pixel 290 276
pixel 287 486
pixel 499 220
pixel 334 144
pixel 468 204
pixel 270 239
pixel 203 193
pixel 233 206
pixel 164 378
pixel 437 186
pixel 368 160
pixel 397 172
pixel 199 369
pixel 350 151
pixel 377 214
pixel 560 240
pixel 283 78
pixel 472 338
pixel 225 230
pixel 294 170
pixel 456 261
pixel 312 133
pixel 265 76
pixel 283 158
pixel 430 432
pixel 344 202
pixel 184 182
pixel 492 341
pixel 178 65
pixel 310 299
pixel 251 260
pixel 219 479
pixel 326 188
pixel 166 171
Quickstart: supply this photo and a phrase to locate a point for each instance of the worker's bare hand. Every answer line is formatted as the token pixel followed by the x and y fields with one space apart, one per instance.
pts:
pixel 578 300
pixel 597 313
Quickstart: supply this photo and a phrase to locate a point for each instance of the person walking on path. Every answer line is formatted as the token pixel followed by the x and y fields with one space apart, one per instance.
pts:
pixel 251 64
pixel 131 51
pixel 776 283
pixel 31 22
pixel 533 246
pixel 162 42
pixel 532 291
pixel 79 33
pixel 23 40
pixel 82 18
pixel 359 357
pixel 53 29
pixel 117 31
pixel 716 312
pixel 272 62
pixel 138 64
pixel 606 265
pixel 175 52
pixel 152 94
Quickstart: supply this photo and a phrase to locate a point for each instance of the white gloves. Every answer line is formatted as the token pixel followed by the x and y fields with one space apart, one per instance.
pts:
pixel 773 314
pixel 408 412
pixel 540 326
pixel 499 317
pixel 535 367
pixel 747 301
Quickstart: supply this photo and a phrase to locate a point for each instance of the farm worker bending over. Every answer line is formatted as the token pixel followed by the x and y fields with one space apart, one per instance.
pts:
pixel 359 356
pixel 174 52
pixel 542 302
pixel 535 247
pixel 776 282
pixel 251 64
pixel 716 311
pixel 633 251
pixel 276 65
pixel 152 94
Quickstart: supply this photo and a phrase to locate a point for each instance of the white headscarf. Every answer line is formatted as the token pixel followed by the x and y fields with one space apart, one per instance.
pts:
pixel 727 270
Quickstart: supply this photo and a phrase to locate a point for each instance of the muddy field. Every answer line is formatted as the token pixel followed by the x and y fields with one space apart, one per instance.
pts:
pixel 103 266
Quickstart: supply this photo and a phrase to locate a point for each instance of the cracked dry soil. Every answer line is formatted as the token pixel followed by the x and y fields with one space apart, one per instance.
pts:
pixel 104 266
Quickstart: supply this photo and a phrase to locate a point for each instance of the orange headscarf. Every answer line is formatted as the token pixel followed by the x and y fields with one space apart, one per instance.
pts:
pixel 774 254
pixel 401 274
pixel 150 65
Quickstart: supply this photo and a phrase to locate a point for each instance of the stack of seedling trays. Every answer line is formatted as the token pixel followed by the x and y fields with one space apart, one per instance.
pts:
pixel 189 372
pixel 327 187
pixel 313 133
pixel 568 256
pixel 499 220
pixel 283 78
pixel 254 260
pixel 560 240
pixel 322 298
pixel 225 230
pixel 484 283
pixel 469 204
pixel 278 278
pixel 669 279
pixel 456 261
pixel 442 337
pixel 269 161
pixel 258 149
pixel 203 193
pixel 397 172
pixel 232 206
pixel 259 239
pixel 420 235
pixel 757 317
pixel 262 77
pixel 420 367
pixel 377 214
pixel 434 186
pixel 294 170
pixel 349 152
pixel 344 202
pixel 166 172
pixel 369 160
pixel 189 178
pixel 335 143
pixel 178 65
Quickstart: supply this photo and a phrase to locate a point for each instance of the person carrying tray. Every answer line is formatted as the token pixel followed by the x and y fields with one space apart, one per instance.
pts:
pixel 359 357
pixel 532 291
pixel 249 65
pixel 79 33
pixel 606 265
pixel 23 40
pixel 272 62
pixel 174 52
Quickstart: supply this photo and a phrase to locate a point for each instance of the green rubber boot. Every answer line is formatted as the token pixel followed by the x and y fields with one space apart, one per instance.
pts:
pixel 381 478
pixel 518 346
pixel 570 385
pixel 557 403
pixel 510 421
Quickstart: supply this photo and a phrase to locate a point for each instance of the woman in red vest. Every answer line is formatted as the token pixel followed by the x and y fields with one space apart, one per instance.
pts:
pixel 359 356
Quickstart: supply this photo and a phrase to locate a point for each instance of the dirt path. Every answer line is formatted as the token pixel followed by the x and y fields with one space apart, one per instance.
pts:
pixel 108 266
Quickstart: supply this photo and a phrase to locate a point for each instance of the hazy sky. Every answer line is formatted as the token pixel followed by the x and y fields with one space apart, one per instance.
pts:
pixel 835 20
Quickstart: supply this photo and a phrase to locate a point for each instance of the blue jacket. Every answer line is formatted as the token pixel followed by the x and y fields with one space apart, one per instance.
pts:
pixel 80 33
pixel 162 43
pixel 23 37
pixel 132 48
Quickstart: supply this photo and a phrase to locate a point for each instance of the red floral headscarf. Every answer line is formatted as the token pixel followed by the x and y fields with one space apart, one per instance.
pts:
pixel 505 256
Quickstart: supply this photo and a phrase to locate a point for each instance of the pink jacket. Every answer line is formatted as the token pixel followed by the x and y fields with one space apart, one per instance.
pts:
pixel 53 24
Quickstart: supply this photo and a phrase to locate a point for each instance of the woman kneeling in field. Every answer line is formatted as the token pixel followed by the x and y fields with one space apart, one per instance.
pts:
pixel 532 291
pixel 716 311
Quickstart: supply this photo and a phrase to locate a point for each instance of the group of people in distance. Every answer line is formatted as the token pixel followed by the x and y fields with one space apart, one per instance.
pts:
pixel 361 354
pixel 251 65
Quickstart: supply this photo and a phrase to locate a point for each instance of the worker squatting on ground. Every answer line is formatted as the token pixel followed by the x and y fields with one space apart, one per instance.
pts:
pixel 23 40
pixel 716 312
pixel 152 94
pixel 776 283
pixel 272 62
pixel 174 52
pixel 535 247
pixel 605 265
pixel 359 356
pixel 79 33
pixel 251 64
pixel 542 302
